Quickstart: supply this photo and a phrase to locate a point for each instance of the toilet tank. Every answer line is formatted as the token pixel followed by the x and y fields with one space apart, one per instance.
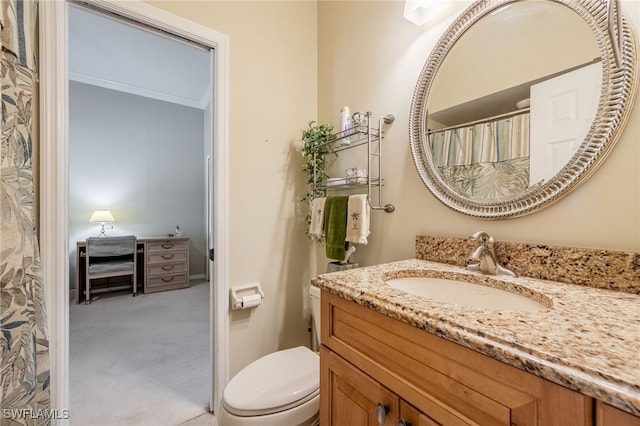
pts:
pixel 314 292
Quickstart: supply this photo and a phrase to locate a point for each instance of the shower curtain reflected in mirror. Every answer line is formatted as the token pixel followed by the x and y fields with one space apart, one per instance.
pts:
pixel 484 161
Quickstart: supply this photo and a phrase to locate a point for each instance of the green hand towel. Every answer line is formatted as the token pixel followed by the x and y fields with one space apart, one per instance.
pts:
pixel 335 226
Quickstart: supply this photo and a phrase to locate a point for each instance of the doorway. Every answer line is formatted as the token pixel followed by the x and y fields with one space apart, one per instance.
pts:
pixel 54 95
pixel 137 106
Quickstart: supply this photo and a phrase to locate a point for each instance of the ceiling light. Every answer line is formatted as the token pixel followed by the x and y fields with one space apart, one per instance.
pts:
pixel 421 11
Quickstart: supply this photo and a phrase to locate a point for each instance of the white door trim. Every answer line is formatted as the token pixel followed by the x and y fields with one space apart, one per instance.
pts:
pixel 53 180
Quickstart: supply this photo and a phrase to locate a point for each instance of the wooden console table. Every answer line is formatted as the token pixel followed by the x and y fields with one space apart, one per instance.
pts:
pixel 163 264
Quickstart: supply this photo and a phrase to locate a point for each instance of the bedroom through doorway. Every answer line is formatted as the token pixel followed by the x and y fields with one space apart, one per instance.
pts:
pixel 140 136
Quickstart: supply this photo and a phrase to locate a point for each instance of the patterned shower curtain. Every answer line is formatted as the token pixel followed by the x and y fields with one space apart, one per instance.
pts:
pixel 486 142
pixel 487 161
pixel 24 347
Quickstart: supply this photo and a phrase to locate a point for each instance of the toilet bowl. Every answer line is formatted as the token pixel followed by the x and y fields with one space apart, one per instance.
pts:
pixel 281 388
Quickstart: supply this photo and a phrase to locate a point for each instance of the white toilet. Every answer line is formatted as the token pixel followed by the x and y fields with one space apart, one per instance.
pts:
pixel 282 388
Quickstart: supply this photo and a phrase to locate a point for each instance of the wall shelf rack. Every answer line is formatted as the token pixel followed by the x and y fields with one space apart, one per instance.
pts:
pixel 361 135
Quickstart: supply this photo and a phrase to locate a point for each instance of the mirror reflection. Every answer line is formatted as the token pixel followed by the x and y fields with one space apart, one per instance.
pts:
pixel 513 100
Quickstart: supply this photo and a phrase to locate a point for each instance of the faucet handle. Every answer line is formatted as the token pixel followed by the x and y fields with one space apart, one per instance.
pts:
pixel 485 239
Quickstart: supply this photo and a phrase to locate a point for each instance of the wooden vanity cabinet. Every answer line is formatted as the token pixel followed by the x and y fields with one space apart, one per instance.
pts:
pixel 367 359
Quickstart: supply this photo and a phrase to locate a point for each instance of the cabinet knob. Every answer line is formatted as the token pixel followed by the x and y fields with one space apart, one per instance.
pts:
pixel 403 423
pixel 381 412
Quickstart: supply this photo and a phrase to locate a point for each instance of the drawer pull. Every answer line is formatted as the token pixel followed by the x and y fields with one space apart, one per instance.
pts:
pixel 168 268
pixel 167 246
pixel 167 280
pixel 381 412
pixel 403 423
pixel 167 256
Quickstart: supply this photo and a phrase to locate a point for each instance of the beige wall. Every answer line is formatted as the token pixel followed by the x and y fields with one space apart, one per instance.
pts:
pixel 295 61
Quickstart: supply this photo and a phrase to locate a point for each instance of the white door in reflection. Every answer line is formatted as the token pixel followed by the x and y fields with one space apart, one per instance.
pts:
pixel 562 110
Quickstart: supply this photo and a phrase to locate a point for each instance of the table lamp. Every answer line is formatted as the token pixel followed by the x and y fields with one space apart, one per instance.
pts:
pixel 102 216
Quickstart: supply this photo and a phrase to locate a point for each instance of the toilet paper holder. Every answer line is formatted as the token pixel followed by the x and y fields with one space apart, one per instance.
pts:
pixel 246 296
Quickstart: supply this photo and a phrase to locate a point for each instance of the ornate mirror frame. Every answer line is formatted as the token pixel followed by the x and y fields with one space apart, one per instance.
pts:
pixel 616 43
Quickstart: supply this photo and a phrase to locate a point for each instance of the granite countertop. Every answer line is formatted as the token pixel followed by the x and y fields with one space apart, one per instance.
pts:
pixel 587 340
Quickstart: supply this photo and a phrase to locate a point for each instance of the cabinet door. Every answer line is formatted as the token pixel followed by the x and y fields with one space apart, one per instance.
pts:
pixel 606 415
pixel 349 397
pixel 411 416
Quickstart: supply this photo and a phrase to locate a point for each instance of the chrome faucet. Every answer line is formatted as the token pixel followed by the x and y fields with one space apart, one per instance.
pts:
pixel 484 257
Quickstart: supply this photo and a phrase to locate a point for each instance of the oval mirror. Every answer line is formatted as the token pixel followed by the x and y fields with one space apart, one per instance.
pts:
pixel 520 101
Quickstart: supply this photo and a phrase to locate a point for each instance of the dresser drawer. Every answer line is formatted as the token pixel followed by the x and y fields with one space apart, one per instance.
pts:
pixel 167 282
pixel 166 246
pixel 168 257
pixel 170 268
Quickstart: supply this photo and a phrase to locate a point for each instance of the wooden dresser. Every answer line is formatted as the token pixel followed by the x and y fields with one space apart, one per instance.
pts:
pixel 166 264
pixel 163 264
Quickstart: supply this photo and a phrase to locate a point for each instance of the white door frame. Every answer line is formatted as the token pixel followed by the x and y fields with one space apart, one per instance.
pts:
pixel 53 181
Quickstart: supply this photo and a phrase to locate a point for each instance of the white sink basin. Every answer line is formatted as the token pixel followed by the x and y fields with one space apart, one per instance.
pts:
pixel 465 293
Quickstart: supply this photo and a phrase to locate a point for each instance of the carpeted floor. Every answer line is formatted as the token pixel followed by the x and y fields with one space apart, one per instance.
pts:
pixel 140 360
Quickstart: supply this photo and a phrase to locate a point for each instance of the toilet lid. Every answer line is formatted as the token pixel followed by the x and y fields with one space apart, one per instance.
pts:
pixel 275 382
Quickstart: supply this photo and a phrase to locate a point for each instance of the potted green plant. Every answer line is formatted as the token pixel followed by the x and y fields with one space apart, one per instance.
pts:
pixel 316 144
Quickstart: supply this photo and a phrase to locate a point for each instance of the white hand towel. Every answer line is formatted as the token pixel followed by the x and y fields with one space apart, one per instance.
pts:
pixel 317 217
pixel 358 212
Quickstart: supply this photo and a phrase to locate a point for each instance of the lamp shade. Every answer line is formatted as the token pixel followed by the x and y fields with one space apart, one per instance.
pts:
pixel 102 216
